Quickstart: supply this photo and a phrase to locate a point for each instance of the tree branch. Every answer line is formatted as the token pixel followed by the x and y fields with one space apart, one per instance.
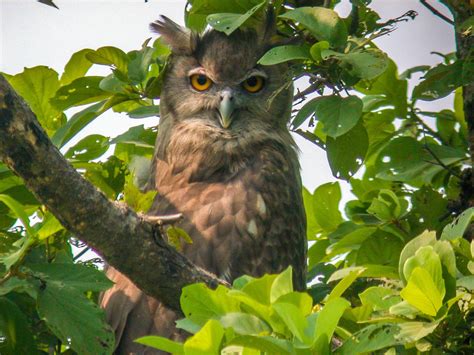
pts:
pixel 125 240
pixel 435 12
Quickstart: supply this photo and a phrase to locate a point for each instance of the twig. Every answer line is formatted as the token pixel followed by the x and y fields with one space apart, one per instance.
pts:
pixel 83 251
pixel 163 220
pixel 428 129
pixel 440 163
pixel 435 12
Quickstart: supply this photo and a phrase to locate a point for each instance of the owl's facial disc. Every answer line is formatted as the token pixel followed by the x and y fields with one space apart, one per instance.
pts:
pixel 226 107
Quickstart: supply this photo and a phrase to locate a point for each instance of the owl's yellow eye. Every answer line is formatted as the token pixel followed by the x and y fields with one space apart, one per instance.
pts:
pixel 253 84
pixel 200 82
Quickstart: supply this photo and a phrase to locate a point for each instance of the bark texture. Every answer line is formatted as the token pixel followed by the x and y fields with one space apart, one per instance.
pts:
pixel 126 240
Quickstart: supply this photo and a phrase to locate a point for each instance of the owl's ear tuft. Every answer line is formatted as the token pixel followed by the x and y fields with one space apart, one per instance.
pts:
pixel 181 40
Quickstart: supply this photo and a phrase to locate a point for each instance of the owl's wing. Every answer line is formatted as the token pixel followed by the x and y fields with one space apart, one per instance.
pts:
pixel 132 314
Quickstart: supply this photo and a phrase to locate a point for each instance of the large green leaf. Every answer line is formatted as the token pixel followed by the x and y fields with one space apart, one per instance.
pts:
pixel 338 114
pixel 324 24
pixel 406 159
pixel 89 148
pixel 380 298
pixel 161 343
pixel 74 319
pixel 422 292
pixel 76 123
pixel 440 81
pixel 266 344
pixel 76 67
pixel 37 86
pixel 79 277
pixel 326 200
pixel 426 258
pixel 346 153
pixel 15 335
pixel 244 323
pixel 293 319
pixel 389 86
pixel 457 228
pixel 426 238
pixel 81 91
pixel 284 54
pixel 199 303
pixel 367 64
pixel 344 284
pixel 327 321
pixel 139 64
pixel 282 285
pixel 110 56
pixel 206 341
pixel 228 23
pixel 370 339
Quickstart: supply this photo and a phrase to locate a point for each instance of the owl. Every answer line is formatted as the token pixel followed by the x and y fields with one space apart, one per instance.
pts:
pixel 225 159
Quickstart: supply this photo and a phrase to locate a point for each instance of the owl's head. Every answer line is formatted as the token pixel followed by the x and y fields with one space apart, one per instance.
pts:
pixel 215 79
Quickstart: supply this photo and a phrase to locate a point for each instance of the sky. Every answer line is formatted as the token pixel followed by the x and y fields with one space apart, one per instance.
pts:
pixel 34 34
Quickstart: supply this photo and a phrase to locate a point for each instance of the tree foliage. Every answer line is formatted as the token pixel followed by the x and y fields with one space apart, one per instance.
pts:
pixel 392 271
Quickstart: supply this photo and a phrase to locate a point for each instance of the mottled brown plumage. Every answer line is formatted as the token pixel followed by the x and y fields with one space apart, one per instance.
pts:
pixel 238 187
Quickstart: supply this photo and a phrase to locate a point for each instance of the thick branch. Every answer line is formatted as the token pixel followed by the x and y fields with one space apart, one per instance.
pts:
pixel 127 241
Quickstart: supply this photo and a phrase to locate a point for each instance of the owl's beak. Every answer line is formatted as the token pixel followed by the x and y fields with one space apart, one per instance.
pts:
pixel 226 108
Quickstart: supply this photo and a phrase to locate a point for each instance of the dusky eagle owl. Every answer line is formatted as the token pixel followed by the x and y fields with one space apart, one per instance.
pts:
pixel 225 159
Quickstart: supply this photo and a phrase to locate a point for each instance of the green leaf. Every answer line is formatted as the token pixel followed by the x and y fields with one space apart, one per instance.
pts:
pixel 380 298
pixel 406 159
pixel 390 86
pixel 206 341
pixel 282 285
pixel 439 81
pixel 344 284
pixel 324 24
pixel 426 258
pixel 327 321
pixel 260 289
pixel 111 56
pixel 413 331
pixel 367 64
pixel 145 111
pixel 467 282
pixel 76 67
pixel 48 227
pixel 200 304
pixel 338 114
pixel 283 54
pixel 81 91
pixel 370 339
pixel 457 228
pixel 426 238
pixel 387 206
pixel 351 240
pixel 37 86
pixel 76 276
pixel 317 48
pixel 175 235
pixel 76 123
pixel 381 248
pixel 326 200
pixel 89 148
pixel 244 323
pixel 16 337
pixel 161 343
pixel 74 319
pixel 139 63
pixel 19 211
pixel 300 300
pixel 422 292
pixel 346 153
pixel 228 23
pixel 293 318
pixel 266 344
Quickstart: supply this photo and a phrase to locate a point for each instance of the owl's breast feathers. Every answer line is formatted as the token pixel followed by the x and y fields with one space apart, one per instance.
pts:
pixel 240 196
